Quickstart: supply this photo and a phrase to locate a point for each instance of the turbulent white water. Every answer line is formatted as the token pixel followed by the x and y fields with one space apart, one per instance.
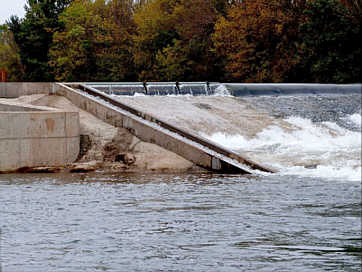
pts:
pixel 309 149
pixel 135 94
pixel 294 146
pixel 355 119
pixel 221 90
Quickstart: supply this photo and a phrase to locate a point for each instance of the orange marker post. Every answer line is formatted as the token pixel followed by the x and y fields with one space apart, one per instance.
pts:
pixel 3 75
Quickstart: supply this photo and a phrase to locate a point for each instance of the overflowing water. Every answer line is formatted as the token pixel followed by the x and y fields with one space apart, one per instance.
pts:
pixel 306 135
pixel 308 149
pixel 157 88
pixel 355 120
pixel 221 90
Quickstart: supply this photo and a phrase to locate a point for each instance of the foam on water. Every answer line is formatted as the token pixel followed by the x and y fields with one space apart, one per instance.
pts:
pixel 221 90
pixel 308 149
pixel 138 94
pixel 355 119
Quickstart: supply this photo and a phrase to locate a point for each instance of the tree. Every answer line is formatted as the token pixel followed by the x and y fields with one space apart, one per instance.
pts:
pixel 9 55
pixel 258 38
pixel 34 36
pixel 95 42
pixel 330 46
pixel 116 59
pixel 189 58
pixel 173 39
pixel 155 31
pixel 355 6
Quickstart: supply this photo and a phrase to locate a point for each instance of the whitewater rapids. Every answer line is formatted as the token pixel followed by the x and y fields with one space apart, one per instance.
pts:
pixel 306 135
pixel 318 150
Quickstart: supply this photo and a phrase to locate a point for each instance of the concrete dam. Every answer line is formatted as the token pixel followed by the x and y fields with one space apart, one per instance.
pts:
pixel 312 129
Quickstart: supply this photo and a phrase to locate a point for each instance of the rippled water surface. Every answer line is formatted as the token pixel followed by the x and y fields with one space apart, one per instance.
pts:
pixel 193 222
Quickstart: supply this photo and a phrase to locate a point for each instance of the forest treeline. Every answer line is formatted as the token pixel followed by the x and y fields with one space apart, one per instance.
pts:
pixel 184 40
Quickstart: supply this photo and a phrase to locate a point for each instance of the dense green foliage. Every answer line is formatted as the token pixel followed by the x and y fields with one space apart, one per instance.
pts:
pixel 95 43
pixel 9 55
pixel 173 41
pixel 34 36
pixel 184 40
pixel 331 49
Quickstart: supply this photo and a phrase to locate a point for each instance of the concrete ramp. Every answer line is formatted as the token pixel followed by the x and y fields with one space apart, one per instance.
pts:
pixel 192 147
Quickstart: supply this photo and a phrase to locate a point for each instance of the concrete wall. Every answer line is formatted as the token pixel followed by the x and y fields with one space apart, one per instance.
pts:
pixel 38 138
pixel 16 89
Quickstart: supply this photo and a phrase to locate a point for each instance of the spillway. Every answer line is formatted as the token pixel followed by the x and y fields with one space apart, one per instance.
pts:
pixel 151 129
pixel 308 130
pixel 311 130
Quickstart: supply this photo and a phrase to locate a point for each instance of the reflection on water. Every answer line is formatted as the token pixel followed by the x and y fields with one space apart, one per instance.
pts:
pixel 195 222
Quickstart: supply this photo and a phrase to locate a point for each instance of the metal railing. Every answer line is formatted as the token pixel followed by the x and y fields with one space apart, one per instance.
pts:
pixel 155 88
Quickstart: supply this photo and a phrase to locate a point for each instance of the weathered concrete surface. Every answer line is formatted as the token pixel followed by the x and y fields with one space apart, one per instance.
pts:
pixel 108 144
pixel 206 115
pixel 16 89
pixel 19 106
pixel 37 137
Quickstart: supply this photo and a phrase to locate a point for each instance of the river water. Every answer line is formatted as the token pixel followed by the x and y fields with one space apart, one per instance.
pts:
pixel 193 222
pixel 305 218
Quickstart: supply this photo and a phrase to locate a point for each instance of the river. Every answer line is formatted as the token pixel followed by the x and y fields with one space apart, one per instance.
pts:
pixel 307 217
pixel 170 222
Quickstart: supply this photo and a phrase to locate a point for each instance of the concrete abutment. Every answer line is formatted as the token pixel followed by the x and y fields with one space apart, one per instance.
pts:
pixel 37 136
